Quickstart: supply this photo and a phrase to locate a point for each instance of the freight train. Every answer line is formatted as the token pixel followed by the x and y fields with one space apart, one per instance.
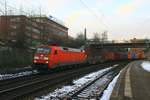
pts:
pixel 49 57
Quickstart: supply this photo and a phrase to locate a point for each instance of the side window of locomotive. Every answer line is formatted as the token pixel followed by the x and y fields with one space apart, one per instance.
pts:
pixel 65 48
pixel 55 52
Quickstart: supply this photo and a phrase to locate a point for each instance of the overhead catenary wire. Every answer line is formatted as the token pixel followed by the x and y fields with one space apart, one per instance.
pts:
pixel 94 14
pixel 16 11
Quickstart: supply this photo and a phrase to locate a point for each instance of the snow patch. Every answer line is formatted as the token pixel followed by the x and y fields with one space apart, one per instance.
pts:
pixel 116 65
pixel 146 65
pixel 65 90
pixel 107 93
pixel 9 76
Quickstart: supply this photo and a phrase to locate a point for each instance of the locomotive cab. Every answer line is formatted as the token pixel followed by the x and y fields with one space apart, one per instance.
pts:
pixel 41 57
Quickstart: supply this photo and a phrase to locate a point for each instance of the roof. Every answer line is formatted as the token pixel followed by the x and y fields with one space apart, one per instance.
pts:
pixel 45 17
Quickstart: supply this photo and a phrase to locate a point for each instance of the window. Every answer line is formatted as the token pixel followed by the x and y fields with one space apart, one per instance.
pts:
pixel 55 52
pixel 13 33
pixel 43 50
pixel 13 20
pixel 18 18
pixel 65 48
pixel 36 30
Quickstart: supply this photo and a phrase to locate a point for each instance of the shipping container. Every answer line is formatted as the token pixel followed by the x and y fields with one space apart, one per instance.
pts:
pixel 115 56
pixel 136 50
pixel 108 56
pixel 124 56
pixel 133 56
pixel 129 55
pixel 140 55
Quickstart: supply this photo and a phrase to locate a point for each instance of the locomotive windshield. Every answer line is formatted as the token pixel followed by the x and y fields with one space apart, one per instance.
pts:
pixel 43 50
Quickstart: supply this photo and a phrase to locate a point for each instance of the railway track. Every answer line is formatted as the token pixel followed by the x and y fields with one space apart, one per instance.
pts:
pixel 20 87
pixel 94 89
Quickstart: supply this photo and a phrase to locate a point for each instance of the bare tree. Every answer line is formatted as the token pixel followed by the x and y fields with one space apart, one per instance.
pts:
pixel 96 37
pixel 80 39
pixel 104 37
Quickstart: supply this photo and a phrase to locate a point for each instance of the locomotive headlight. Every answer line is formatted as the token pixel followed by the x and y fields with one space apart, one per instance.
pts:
pixel 45 58
pixel 36 57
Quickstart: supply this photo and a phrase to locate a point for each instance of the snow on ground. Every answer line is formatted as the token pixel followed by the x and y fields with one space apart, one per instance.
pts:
pixel 107 93
pixel 65 90
pixel 116 65
pixel 146 65
pixel 9 76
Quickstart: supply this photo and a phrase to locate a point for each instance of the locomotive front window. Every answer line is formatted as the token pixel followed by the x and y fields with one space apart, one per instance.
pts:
pixel 43 50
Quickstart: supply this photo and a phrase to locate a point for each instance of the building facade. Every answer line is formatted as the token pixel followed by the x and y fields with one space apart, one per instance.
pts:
pixel 30 30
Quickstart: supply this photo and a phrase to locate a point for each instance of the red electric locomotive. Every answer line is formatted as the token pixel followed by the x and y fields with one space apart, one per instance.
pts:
pixel 56 56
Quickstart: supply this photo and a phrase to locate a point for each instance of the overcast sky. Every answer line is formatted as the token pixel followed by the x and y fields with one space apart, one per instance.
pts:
pixel 123 19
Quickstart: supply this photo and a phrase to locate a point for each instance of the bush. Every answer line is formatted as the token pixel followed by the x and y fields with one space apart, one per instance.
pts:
pixel 14 58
